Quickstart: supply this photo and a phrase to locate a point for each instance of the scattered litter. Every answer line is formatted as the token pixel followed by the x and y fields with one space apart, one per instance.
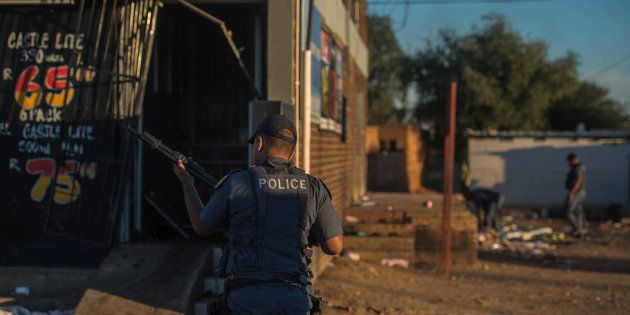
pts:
pixel 22 291
pixel 520 242
pixel 354 256
pixel 352 219
pixel 429 204
pixel 528 235
pixel 391 262
pixel 481 237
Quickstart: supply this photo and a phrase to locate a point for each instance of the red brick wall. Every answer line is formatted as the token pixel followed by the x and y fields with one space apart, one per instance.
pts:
pixel 337 162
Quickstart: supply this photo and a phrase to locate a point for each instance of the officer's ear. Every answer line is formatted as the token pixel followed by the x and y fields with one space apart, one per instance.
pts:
pixel 292 154
pixel 259 143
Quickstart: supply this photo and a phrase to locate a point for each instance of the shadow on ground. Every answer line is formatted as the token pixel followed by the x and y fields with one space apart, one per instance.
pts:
pixel 597 264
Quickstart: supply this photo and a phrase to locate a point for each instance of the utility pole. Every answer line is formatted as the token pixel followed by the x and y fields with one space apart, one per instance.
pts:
pixel 449 155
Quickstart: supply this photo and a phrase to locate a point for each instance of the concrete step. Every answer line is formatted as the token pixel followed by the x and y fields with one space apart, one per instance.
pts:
pixel 379 243
pixel 381 229
pixel 376 216
pixel 159 278
pixel 377 256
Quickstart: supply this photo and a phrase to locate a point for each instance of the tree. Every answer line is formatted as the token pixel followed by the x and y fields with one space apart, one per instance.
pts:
pixel 588 105
pixel 385 87
pixel 504 81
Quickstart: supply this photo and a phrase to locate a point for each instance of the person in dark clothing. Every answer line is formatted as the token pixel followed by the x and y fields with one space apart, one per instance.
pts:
pixel 486 204
pixel 575 184
pixel 274 213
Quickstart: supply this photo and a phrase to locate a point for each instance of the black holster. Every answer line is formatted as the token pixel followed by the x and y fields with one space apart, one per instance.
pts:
pixel 318 304
pixel 220 306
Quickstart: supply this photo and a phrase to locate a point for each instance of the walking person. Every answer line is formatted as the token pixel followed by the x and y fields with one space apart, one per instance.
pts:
pixel 575 183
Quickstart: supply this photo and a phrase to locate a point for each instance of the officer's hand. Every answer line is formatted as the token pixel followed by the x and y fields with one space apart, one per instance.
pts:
pixel 180 171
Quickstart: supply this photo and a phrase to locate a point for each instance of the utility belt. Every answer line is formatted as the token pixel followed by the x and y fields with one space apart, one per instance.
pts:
pixel 318 303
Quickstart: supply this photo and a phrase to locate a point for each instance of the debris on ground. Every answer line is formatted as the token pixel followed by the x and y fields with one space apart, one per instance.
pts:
pixel 351 219
pixel 351 255
pixel 517 240
pixel 395 262
pixel 354 256
pixel 429 204
pixel 20 310
pixel 528 235
pixel 22 291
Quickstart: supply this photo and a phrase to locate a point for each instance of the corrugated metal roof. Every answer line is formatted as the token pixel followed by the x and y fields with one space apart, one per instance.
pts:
pixel 595 133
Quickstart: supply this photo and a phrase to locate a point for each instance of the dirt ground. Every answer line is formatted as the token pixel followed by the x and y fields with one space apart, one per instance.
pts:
pixel 590 276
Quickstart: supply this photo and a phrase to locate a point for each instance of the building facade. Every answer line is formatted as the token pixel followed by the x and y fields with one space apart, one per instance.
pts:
pixel 389 147
pixel 169 71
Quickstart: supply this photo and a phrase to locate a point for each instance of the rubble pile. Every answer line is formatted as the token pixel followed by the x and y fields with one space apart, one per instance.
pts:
pixel 514 239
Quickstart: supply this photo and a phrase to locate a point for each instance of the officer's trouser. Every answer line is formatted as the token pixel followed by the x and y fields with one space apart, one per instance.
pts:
pixel 269 299
pixel 575 210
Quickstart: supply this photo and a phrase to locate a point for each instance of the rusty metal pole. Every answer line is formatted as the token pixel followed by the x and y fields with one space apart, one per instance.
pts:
pixel 449 155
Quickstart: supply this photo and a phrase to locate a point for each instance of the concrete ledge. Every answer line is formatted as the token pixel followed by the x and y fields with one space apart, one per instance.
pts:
pixel 411 230
pixel 378 243
pixel 148 279
pixel 381 229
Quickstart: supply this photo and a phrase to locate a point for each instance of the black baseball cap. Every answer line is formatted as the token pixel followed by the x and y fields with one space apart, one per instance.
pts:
pixel 272 125
pixel 572 156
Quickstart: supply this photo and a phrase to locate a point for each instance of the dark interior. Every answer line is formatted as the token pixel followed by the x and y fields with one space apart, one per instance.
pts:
pixel 196 102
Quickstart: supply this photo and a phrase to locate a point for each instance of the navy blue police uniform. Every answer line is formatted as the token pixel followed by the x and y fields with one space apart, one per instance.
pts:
pixel 273 212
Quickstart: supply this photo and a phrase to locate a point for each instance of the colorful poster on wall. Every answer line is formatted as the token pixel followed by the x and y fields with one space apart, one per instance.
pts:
pixel 316 66
pixel 326 77
pixel 61 149
pixel 331 73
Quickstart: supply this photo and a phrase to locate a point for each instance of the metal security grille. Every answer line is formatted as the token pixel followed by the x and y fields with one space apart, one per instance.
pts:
pixel 198 95
pixel 74 80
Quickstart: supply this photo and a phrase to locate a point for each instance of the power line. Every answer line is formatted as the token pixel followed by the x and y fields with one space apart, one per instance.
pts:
pixel 612 65
pixel 407 2
pixel 403 24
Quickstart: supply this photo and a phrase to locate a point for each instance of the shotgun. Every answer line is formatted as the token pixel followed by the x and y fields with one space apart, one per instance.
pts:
pixel 193 168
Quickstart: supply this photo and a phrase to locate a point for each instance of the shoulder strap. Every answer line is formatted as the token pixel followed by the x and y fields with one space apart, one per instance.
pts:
pixel 261 199
pixel 224 179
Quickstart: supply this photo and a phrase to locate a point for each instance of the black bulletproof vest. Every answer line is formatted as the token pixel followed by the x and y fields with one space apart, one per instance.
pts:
pixel 272 242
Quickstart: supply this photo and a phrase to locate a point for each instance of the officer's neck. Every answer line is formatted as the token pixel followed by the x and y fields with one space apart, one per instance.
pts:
pixel 276 160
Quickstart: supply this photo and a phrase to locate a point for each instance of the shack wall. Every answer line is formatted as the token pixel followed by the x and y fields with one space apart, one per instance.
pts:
pixel 531 172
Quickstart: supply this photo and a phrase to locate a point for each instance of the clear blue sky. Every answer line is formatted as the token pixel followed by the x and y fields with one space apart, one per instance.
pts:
pixel 597 30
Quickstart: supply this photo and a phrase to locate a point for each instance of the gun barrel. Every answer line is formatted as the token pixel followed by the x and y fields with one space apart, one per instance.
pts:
pixel 193 168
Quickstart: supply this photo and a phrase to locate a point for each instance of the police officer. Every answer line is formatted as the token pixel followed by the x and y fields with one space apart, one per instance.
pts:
pixel 274 213
pixel 575 183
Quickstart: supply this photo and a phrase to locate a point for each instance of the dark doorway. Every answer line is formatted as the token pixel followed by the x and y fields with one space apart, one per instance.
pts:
pixel 197 98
